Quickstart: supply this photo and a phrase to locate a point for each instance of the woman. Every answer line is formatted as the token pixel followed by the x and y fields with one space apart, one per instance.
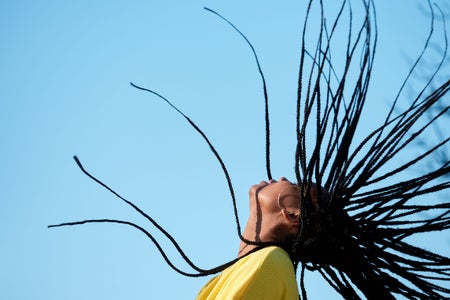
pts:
pixel 354 206
pixel 265 272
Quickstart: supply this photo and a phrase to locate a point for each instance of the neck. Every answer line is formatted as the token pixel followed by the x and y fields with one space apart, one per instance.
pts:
pixel 257 232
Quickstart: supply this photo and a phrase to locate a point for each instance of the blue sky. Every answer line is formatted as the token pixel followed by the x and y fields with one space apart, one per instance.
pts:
pixel 65 68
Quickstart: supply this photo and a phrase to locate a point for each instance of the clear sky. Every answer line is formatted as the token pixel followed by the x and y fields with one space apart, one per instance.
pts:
pixel 65 68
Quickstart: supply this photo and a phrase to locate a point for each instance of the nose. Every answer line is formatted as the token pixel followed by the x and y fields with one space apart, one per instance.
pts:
pixel 281 179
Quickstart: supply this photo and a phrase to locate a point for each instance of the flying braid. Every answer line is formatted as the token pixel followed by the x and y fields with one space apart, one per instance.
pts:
pixel 370 203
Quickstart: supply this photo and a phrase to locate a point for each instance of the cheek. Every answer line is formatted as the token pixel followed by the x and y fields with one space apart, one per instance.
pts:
pixel 266 192
pixel 292 202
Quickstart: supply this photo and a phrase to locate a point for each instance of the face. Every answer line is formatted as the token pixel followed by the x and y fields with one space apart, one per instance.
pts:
pixel 281 195
pixel 276 209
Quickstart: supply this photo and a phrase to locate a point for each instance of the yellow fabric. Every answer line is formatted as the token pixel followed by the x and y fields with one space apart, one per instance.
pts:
pixel 267 274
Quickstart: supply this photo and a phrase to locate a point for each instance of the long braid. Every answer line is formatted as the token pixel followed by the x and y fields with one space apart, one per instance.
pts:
pixel 370 235
pixel 264 85
pixel 211 147
pixel 366 220
pixel 200 272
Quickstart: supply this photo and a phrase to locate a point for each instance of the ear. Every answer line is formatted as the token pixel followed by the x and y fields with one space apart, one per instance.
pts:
pixel 293 217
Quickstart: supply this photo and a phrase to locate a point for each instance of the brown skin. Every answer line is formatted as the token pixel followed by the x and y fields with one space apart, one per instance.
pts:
pixel 274 212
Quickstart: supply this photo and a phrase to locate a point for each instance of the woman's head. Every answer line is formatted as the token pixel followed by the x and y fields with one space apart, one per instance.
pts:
pixel 276 210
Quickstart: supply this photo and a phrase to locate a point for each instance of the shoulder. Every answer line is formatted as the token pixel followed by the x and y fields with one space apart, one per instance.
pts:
pixel 274 278
pixel 275 256
pixel 264 274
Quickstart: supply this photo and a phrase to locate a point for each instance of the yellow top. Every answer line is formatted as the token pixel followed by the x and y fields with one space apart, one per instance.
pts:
pixel 265 274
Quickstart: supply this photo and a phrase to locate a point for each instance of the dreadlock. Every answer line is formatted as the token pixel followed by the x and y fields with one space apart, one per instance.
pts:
pixel 357 239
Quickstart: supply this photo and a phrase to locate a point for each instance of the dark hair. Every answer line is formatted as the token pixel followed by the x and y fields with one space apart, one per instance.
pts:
pixel 357 241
